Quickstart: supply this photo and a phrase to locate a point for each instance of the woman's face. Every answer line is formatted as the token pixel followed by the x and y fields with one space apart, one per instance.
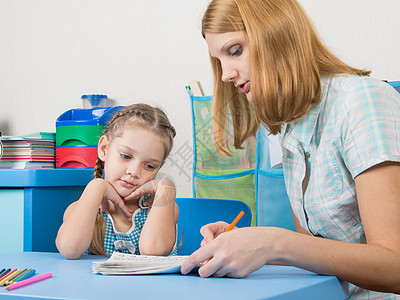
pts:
pixel 232 50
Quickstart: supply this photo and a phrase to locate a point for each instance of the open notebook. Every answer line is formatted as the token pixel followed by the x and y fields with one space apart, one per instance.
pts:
pixel 121 263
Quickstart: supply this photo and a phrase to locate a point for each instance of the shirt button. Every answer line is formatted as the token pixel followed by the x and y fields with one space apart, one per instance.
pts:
pixel 308 154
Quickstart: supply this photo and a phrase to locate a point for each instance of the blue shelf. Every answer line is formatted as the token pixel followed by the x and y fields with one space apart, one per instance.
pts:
pixel 44 177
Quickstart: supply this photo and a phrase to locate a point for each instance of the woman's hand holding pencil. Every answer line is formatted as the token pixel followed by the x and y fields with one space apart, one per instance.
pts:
pixel 221 229
pixel 236 253
pixel 211 231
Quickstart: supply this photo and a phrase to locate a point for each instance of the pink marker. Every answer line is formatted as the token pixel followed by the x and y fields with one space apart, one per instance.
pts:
pixel 28 281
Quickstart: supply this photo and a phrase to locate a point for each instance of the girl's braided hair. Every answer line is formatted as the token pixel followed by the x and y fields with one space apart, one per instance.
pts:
pixel 135 115
pixel 139 115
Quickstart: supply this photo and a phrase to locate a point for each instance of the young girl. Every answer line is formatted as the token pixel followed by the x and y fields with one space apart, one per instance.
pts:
pixel 112 213
pixel 340 134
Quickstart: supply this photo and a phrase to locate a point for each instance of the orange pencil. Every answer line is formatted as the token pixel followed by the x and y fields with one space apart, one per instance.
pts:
pixel 11 274
pixel 22 274
pixel 8 281
pixel 240 215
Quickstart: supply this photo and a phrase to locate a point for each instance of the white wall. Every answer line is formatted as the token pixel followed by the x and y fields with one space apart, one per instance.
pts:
pixel 53 51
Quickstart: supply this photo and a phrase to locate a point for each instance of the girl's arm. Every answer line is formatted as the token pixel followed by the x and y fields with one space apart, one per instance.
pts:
pixel 76 232
pixel 158 235
pixel 374 266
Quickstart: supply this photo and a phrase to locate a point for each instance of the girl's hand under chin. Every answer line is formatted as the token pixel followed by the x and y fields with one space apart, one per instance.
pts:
pixel 162 186
pixel 110 194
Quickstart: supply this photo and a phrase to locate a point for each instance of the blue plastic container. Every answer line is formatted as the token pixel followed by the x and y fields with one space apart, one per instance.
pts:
pixel 92 116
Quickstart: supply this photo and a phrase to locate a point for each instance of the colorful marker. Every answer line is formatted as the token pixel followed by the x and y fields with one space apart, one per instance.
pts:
pixel 19 276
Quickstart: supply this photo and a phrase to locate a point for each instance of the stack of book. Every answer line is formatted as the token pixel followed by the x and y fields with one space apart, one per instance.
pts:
pixel 34 151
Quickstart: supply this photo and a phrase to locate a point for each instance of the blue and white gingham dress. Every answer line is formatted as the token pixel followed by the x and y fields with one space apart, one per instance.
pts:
pixel 355 127
pixel 127 242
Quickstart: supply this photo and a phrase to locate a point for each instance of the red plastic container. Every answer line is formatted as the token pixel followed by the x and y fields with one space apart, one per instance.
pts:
pixel 76 157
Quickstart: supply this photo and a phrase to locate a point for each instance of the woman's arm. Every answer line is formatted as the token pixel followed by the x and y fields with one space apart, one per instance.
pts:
pixel 158 235
pixel 76 232
pixel 374 266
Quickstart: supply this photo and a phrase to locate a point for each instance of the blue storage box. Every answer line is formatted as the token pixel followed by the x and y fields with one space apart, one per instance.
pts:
pixel 92 116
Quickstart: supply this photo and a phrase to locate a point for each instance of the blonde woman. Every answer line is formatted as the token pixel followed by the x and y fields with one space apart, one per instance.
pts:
pixel 112 213
pixel 340 134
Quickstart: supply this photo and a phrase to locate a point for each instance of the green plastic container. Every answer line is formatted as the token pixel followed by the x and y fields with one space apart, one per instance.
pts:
pixel 78 135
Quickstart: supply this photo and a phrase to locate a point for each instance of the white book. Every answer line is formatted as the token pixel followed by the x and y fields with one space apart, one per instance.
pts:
pixel 26 165
pixel 121 263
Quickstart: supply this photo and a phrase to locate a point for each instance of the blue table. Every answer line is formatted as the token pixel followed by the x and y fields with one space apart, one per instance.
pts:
pixel 73 279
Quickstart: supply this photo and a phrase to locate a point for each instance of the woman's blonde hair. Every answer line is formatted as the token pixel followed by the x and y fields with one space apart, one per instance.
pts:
pixel 287 61
pixel 135 115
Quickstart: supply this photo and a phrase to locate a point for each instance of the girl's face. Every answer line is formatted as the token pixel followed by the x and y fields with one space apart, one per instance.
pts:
pixel 233 52
pixel 132 159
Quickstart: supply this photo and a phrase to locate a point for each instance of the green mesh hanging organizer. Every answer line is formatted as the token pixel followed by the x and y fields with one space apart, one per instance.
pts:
pixel 246 175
